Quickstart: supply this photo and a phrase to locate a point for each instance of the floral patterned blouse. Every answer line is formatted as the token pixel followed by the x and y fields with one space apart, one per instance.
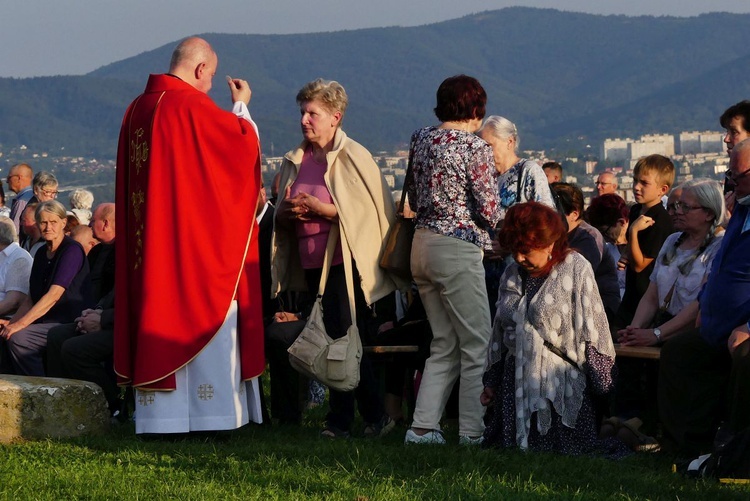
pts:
pixel 454 192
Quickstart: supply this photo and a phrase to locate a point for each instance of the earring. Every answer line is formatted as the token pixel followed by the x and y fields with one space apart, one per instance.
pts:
pixel 549 257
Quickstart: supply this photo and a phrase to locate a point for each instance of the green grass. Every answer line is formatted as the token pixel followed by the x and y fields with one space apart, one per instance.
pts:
pixel 293 463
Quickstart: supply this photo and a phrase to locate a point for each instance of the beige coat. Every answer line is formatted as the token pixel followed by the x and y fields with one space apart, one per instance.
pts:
pixel 365 210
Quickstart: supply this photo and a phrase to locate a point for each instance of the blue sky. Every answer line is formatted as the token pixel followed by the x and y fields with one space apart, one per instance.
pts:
pixel 68 37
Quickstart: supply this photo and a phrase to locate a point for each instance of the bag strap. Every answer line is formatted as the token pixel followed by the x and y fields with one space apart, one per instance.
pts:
pixel 333 237
pixel 521 167
pixel 668 297
pixel 551 347
pixel 409 177
pixel 349 274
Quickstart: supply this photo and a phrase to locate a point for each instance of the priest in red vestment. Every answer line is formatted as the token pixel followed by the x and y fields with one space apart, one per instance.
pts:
pixel 188 331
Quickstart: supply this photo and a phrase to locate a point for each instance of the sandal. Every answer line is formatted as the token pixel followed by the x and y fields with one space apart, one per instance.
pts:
pixel 332 432
pixel 381 428
pixel 630 434
pixel 610 427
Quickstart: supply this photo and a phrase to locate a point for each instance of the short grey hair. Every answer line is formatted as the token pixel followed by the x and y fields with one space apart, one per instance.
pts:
pixel 44 180
pixel 8 233
pixel 81 199
pixel 501 128
pixel 329 93
pixel 53 207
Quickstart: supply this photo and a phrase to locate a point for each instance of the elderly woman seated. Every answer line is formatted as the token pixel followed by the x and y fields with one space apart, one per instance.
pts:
pixel 59 289
pixel 45 187
pixel 15 267
pixel 81 202
pixel 669 305
pixel 551 356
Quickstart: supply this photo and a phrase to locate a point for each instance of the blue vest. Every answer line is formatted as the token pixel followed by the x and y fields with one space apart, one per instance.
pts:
pixel 725 299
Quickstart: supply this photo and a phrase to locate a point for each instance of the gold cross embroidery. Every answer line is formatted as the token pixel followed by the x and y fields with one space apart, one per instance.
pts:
pixel 205 392
pixel 138 247
pixel 146 398
pixel 138 150
pixel 137 199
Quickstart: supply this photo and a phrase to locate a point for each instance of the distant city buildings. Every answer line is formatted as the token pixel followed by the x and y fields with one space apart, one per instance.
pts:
pixel 695 153
pixel 688 143
pixel 701 142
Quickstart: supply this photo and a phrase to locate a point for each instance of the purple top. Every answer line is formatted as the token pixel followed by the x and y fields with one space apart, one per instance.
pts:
pixel 67 268
pixel 454 191
pixel 312 235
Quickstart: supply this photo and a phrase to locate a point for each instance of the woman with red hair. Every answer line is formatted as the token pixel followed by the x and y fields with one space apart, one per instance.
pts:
pixel 551 352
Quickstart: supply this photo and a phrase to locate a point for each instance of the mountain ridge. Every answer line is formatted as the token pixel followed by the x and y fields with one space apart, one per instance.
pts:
pixel 558 75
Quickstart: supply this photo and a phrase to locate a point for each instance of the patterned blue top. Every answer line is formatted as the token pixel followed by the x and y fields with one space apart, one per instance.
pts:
pixel 534 186
pixel 454 191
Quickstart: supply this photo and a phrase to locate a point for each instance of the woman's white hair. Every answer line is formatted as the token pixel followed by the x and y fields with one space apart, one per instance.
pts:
pixel 81 199
pixel 709 195
pixel 501 128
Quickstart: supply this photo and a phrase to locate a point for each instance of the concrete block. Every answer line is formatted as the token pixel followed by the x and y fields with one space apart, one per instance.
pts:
pixel 40 407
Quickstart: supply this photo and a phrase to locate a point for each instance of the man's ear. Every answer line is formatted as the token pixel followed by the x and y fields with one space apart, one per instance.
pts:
pixel 199 70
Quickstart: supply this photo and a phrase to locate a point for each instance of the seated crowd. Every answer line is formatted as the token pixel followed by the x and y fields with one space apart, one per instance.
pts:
pixel 57 288
pixel 518 299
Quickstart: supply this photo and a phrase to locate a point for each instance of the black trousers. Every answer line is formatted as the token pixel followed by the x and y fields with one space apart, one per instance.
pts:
pixel 87 357
pixel 286 389
pixel 693 378
pixel 337 319
pixel 739 388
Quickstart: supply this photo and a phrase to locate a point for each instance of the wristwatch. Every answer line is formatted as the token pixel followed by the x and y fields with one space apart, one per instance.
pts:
pixel 657 333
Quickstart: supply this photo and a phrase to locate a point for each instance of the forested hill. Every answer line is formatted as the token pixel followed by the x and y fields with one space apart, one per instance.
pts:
pixel 556 74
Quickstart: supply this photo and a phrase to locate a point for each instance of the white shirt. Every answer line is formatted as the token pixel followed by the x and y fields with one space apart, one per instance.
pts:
pixel 259 217
pixel 686 287
pixel 240 109
pixel 15 268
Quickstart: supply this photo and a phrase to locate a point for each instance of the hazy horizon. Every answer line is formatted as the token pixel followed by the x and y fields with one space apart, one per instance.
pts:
pixel 48 37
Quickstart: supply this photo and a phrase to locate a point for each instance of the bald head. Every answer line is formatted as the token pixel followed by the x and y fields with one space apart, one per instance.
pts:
pixel 194 61
pixel 103 222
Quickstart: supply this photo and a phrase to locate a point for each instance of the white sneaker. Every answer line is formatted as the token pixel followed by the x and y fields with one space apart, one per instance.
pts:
pixel 467 440
pixel 431 437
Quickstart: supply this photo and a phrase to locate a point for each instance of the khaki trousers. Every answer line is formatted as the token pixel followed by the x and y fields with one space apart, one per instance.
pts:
pixel 450 277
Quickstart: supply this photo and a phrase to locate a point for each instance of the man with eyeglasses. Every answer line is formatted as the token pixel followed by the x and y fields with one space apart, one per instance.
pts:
pixel 697 367
pixel 606 183
pixel 19 181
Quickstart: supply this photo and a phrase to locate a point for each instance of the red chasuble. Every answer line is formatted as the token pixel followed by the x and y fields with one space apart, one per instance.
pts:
pixel 188 177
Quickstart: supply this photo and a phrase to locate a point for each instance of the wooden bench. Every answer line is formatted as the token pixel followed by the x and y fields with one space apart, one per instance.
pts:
pixel 385 350
pixel 645 352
